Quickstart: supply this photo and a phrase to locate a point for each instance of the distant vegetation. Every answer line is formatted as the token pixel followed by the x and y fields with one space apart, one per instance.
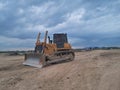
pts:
pixel 17 52
pixel 96 48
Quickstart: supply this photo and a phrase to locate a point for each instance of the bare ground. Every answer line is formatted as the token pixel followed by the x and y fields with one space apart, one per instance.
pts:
pixel 91 70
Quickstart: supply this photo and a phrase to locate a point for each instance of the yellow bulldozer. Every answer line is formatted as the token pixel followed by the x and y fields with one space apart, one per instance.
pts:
pixel 53 51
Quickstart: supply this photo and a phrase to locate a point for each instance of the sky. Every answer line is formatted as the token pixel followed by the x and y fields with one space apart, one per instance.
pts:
pixel 88 23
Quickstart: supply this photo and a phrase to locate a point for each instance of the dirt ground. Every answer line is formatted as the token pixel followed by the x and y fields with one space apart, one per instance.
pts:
pixel 91 70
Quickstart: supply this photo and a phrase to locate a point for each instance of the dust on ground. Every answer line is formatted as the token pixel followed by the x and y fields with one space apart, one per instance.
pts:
pixel 91 70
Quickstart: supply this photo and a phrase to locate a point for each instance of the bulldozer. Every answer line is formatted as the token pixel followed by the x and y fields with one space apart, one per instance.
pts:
pixel 50 52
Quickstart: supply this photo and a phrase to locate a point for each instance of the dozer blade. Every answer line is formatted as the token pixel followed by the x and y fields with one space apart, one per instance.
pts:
pixel 35 60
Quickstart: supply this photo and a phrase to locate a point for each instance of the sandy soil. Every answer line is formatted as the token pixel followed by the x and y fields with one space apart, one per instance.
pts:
pixel 91 70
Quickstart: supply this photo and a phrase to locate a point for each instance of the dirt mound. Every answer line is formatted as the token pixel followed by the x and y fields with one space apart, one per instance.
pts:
pixel 91 70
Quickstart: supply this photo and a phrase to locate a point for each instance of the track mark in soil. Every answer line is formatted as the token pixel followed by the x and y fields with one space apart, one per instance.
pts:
pixel 108 54
pixel 5 68
pixel 12 81
pixel 12 67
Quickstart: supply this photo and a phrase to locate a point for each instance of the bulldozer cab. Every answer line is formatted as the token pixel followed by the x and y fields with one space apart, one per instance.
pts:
pixel 60 39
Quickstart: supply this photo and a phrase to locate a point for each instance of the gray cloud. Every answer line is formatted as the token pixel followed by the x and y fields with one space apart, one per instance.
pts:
pixel 88 23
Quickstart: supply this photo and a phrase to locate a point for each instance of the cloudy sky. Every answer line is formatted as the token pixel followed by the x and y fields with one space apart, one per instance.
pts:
pixel 88 23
